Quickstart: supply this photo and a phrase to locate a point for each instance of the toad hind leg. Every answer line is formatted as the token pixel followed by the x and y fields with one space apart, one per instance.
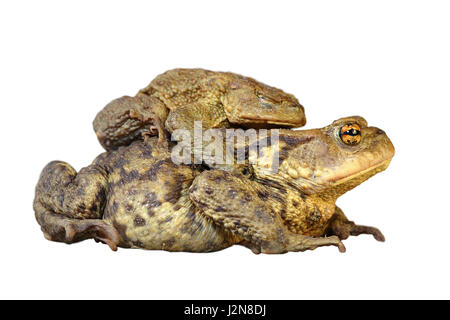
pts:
pixel 68 206
pixel 343 228
pixel 126 119
pixel 233 203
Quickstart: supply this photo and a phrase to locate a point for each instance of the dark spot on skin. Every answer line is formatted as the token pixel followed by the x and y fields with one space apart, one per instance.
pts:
pixel 295 204
pixel 81 207
pixel 314 217
pixel 139 221
pixel 209 190
pixel 132 192
pixel 168 197
pixel 263 195
pixel 138 244
pixel 157 167
pixel 127 177
pixel 114 206
pixel 247 197
pixel 283 214
pixel 119 163
pixel 152 174
pixel 133 175
pixel 129 207
pixel 61 198
pixel 147 152
pixel 151 200
pixel 173 192
pixel 168 184
pixel 193 188
pixel 232 193
pixel 258 213
pixel 176 207
pixel 201 204
pixel 101 194
pixel 169 243
pixel 80 192
pixel 172 197
pixel 220 209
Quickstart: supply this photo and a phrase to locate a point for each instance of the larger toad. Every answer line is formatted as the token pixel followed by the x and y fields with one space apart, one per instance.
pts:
pixel 177 98
pixel 137 197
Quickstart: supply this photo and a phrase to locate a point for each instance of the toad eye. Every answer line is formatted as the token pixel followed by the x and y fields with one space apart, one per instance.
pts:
pixel 266 102
pixel 265 97
pixel 350 134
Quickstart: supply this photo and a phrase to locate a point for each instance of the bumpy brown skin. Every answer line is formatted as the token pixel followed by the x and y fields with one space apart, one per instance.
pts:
pixel 137 197
pixel 177 98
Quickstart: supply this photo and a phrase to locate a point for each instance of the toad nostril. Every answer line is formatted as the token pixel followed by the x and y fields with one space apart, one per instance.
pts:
pixel 379 131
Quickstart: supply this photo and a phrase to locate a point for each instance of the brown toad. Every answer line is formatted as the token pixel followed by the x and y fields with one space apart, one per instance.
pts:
pixel 176 98
pixel 138 197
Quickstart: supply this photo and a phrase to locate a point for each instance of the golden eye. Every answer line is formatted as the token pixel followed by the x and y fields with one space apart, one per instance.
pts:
pixel 350 134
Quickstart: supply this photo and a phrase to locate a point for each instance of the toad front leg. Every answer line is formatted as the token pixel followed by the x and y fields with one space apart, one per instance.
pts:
pixel 343 228
pixel 234 203
pixel 69 206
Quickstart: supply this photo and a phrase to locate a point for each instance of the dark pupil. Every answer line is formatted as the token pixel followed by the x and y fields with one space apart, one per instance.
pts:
pixel 352 132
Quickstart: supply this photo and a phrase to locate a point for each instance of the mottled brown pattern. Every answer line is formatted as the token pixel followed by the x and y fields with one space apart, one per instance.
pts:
pixel 177 98
pixel 139 221
pixel 137 197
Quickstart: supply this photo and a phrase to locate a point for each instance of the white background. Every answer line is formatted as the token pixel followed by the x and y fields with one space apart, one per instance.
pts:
pixel 61 62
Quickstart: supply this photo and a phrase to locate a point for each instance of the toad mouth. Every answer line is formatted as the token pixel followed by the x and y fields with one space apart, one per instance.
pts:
pixel 376 168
